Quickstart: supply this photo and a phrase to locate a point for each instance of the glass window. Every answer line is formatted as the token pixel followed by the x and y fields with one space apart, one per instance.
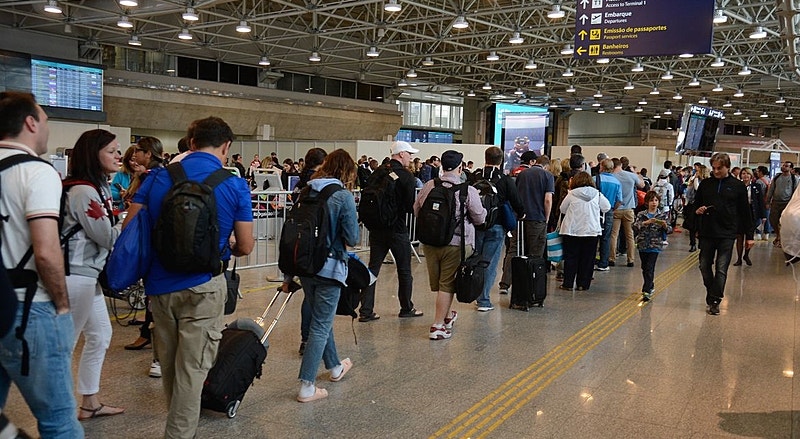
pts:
pixel 414 113
pixel 425 114
pixel 207 70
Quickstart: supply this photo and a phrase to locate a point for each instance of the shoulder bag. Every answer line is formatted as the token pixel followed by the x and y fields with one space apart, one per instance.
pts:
pixel 472 270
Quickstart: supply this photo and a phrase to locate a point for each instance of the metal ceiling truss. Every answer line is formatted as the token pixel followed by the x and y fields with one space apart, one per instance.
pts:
pixel 287 31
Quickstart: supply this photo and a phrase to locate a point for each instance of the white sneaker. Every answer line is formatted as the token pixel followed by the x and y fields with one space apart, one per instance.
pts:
pixel 155 369
pixel 757 237
pixel 485 308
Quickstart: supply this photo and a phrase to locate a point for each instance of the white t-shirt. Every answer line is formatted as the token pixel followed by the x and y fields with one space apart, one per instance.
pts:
pixel 29 191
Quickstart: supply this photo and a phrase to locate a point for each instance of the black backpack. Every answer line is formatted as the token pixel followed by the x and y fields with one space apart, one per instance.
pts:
pixel 186 235
pixel 490 199
pixel 378 208
pixel 436 220
pixel 304 244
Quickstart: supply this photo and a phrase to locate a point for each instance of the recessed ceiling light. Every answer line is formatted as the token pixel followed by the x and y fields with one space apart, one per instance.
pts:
pixel 516 38
pixel 314 57
pixel 373 52
pixel 460 22
pixel 628 86
pixel 719 16
pixel 264 61
pixel 758 33
pixel 190 15
pixel 492 56
pixel 134 41
pixel 392 6
pixel 124 22
pixel 52 7
pixel 531 64
pixel 718 62
pixel 555 12
pixel 185 35
pixel 243 27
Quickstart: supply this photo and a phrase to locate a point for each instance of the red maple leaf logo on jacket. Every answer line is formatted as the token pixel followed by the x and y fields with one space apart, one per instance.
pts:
pixel 96 210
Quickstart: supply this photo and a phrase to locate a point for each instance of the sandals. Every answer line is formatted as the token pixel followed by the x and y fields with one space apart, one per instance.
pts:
pixel 318 394
pixel 346 365
pixel 99 412
pixel 412 313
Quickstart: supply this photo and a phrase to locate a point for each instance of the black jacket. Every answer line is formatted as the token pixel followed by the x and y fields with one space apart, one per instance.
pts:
pixel 731 214
pixel 406 191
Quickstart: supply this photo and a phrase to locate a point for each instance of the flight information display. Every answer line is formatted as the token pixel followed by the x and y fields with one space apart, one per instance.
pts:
pixel 58 84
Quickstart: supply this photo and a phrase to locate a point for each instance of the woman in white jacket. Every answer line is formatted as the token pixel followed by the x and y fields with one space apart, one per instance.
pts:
pixel 583 207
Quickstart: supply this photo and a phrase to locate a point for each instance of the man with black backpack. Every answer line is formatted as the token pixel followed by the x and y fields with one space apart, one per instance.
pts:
pixel 492 183
pixel 195 209
pixel 30 213
pixel 384 205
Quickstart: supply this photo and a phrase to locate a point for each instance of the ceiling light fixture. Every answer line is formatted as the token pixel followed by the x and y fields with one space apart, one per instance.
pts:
pixel 540 83
pixel 642 101
pixel 601 110
pixel 746 119
pixel 638 109
pixel 568 73
pixel 694 82
pixel 190 15
pixel 264 61
pixel 668 111
pixel 427 62
pixel 52 7
pixel 571 88
pixel 745 70
pixel 656 116
pixel 637 68
pixel 402 82
pixel 411 73
pixel 487 86
pixel 655 91
pixel 185 34
pixel 243 27
pixel 598 94
pixel 567 49
pixel 531 64
pixel 516 38
pixel 134 41
pixel 124 22
pixel 603 60
pixel 780 100
pixel 518 92
pixel 628 86
pixel 702 100
pixel 492 56
pixel 314 57
pixel 555 12
pixel 471 93
pixel 667 75
pixel 738 112
pixel 758 33
pixel 719 16
pixel 373 52
pixel 718 62
pixel 788 117
pixel 727 104
pixel 677 96
pixel 460 22
pixel 129 3
pixel 739 93
pixel 686 55
pixel 578 108
pixel 392 6
pixel 764 115
pixel 595 104
pixel 618 105
pixel 717 87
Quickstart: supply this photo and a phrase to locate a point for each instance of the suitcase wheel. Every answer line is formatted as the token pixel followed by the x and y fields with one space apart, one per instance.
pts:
pixel 230 410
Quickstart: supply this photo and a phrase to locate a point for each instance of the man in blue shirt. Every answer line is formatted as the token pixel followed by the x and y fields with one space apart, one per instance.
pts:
pixel 536 187
pixel 611 188
pixel 188 307
pixel 623 215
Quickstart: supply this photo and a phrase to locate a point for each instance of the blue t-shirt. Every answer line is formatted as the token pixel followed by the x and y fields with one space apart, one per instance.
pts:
pixel 233 204
pixel 533 183
pixel 611 188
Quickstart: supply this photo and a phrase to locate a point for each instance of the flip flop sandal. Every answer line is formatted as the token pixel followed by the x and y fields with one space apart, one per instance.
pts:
pixel 98 412
pixel 318 394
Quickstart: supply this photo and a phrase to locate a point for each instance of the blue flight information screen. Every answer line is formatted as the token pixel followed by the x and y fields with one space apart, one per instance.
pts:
pixel 626 28
pixel 57 84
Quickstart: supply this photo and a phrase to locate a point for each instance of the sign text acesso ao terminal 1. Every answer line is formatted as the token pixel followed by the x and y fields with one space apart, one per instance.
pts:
pixel 629 28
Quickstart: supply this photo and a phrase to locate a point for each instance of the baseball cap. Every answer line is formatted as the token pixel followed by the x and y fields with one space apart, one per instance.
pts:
pixel 451 160
pixel 663 174
pixel 400 146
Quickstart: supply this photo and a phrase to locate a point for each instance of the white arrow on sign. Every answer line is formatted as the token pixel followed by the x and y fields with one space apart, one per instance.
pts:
pixel 583 19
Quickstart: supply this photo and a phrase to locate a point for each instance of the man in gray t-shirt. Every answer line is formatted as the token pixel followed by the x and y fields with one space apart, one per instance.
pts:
pixel 623 215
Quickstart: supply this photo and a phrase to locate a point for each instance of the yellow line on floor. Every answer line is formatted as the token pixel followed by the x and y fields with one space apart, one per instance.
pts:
pixel 499 405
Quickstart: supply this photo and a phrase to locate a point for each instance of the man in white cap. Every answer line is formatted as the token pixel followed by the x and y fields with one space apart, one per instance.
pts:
pixel 395 237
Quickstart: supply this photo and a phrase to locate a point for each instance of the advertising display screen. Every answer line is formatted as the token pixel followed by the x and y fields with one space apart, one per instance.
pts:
pixel 519 128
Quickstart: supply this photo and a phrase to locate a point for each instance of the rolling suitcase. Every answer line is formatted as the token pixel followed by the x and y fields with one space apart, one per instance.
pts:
pixel 528 282
pixel 241 353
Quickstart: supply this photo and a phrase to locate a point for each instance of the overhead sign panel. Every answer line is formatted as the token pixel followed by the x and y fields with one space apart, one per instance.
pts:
pixel 619 28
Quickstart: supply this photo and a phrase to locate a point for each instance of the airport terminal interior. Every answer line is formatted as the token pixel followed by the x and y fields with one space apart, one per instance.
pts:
pixel 589 364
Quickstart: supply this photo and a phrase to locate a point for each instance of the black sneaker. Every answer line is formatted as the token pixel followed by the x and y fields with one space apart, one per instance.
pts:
pixel 369 318
pixel 713 309
pixel 630 264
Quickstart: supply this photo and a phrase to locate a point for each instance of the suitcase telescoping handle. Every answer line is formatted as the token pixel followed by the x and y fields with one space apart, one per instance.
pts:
pixel 260 320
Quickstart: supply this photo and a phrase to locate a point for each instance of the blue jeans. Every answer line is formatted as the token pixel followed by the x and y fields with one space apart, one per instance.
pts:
pixel 48 387
pixel 322 296
pixel 305 318
pixel 489 243
pixel 605 239
pixel 714 281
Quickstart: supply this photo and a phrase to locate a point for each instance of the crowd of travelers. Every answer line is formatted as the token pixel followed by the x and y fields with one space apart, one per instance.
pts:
pixel 601 209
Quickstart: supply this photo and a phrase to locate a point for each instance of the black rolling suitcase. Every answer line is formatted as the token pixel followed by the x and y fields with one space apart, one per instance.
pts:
pixel 528 282
pixel 241 353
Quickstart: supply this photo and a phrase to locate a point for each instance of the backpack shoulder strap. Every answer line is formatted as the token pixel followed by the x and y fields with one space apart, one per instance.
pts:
pixel 16 159
pixel 216 177
pixel 176 173
pixel 329 190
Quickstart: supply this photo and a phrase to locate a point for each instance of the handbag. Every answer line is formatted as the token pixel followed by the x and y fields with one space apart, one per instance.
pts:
pixel 472 271
pixel 232 280
pixel 132 254
pixel 508 219
pixel 555 248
